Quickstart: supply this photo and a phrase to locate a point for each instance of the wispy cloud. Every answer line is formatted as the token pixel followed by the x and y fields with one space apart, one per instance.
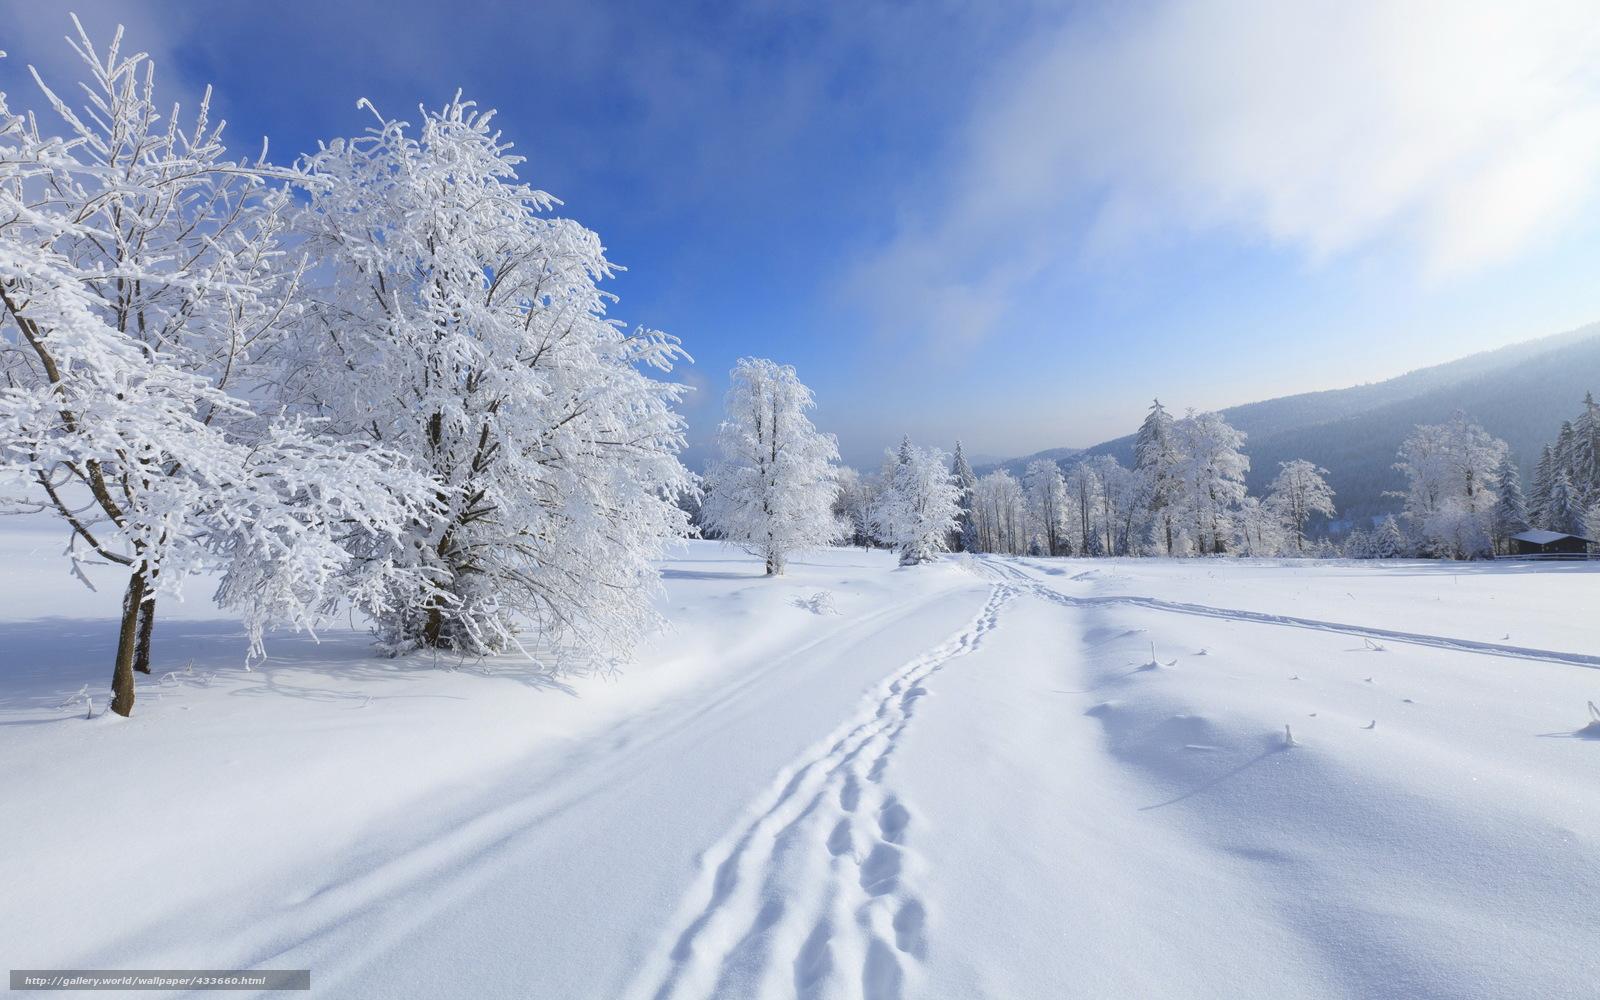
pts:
pixel 1460 133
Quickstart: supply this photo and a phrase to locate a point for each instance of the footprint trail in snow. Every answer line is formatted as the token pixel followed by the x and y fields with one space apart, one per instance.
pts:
pixel 814 894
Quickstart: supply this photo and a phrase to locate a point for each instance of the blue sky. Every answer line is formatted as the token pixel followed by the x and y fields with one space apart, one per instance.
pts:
pixel 1008 222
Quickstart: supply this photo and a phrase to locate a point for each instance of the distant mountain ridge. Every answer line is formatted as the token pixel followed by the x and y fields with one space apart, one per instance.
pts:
pixel 1520 393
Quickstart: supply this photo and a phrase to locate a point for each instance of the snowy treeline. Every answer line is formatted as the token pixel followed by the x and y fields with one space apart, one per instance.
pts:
pixel 1185 495
pixel 438 424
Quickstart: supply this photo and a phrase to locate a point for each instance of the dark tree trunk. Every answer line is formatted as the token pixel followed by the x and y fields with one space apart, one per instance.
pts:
pixel 434 628
pixel 127 639
pixel 147 625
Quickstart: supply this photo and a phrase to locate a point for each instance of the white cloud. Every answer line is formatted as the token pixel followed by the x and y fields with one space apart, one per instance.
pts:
pixel 1461 131
pixel 37 35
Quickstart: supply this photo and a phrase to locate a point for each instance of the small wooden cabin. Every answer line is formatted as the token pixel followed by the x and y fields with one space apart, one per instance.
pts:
pixel 1550 545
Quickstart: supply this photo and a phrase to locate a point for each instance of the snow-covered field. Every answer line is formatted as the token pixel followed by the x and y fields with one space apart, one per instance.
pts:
pixel 985 777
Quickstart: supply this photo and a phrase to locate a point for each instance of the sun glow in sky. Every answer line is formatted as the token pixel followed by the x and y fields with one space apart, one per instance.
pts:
pixel 1008 223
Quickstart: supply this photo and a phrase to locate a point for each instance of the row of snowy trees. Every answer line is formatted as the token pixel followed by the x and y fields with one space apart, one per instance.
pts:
pixel 437 423
pixel 1185 495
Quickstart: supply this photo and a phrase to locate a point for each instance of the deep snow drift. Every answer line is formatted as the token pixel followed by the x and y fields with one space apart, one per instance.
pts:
pixel 982 777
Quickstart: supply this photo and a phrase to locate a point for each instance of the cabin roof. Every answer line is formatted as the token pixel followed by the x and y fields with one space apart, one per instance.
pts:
pixel 1538 537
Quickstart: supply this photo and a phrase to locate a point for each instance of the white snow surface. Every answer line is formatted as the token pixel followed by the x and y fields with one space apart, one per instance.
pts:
pixel 980 777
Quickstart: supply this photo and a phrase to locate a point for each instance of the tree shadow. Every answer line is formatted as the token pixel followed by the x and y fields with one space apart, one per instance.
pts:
pixel 1589 732
pixel 702 574
pixel 43 661
pixel 1213 782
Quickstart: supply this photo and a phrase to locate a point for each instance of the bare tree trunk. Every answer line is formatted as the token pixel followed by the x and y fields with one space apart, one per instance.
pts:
pixel 147 624
pixel 434 628
pixel 127 638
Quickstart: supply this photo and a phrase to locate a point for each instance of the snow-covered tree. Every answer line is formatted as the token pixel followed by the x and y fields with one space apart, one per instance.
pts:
pixel 1564 511
pixel 1156 457
pixel 1297 492
pixel 144 289
pixel 1591 525
pixel 1544 475
pixel 773 487
pixel 458 322
pixel 920 503
pixel 1357 544
pixel 1212 471
pixel 1120 504
pixel 1389 542
pixel 1586 450
pixel 1263 529
pixel 1511 508
pixel 965 536
pixel 999 511
pixel 1450 472
pixel 1083 491
pixel 1047 505
pixel 854 504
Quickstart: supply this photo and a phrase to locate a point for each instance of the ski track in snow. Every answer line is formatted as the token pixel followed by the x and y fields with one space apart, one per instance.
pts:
pixel 436 867
pixel 1018 574
pixel 814 895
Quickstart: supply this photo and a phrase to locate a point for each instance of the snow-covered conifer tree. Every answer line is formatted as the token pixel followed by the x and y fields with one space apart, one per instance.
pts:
pixel 1389 542
pixel 1586 450
pixel 457 322
pixel 144 290
pixel 773 487
pixel 1297 492
pixel 1544 475
pixel 920 504
pixel 965 537
pixel 1156 457
pixel 1591 525
pixel 1511 508
pixel 1565 510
